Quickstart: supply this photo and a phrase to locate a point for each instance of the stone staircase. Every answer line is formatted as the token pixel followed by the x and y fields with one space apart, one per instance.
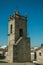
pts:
pixel 19 40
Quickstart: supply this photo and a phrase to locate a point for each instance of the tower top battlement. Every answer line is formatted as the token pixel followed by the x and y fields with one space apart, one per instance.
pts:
pixel 17 15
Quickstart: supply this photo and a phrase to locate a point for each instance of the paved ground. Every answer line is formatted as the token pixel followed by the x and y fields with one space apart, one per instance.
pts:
pixel 16 64
pixel 4 62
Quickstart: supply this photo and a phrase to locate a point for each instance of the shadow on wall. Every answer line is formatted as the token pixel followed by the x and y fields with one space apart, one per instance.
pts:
pixel 2 56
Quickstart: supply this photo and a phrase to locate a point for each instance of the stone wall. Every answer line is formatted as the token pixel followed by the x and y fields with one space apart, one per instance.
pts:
pixel 23 51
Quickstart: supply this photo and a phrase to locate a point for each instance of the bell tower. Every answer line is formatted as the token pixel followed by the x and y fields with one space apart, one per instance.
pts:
pixel 17 39
pixel 17 27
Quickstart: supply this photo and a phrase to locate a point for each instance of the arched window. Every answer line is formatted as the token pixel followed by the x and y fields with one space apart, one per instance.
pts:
pixel 11 28
pixel 21 32
pixel 39 53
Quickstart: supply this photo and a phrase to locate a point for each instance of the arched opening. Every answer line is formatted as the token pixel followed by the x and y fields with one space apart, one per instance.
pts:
pixel 11 28
pixel 21 32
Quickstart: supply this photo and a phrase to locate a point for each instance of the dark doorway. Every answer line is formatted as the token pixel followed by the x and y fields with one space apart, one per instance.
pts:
pixel 35 56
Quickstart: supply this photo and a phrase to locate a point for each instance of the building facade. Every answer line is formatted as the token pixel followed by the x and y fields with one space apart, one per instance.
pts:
pixel 18 42
pixel 32 53
pixel 39 55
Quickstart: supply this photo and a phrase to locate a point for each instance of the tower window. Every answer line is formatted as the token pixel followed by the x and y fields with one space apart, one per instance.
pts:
pixel 11 28
pixel 39 53
pixel 21 32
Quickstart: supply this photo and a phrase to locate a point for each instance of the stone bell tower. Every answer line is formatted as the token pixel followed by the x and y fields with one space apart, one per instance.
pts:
pixel 18 42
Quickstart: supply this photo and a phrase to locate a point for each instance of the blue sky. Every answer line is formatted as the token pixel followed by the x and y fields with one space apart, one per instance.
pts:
pixel 33 9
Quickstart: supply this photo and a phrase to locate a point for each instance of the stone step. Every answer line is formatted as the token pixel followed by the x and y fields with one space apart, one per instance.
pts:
pixel 19 40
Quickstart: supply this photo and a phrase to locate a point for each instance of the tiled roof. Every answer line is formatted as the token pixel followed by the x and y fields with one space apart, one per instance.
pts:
pixel 39 48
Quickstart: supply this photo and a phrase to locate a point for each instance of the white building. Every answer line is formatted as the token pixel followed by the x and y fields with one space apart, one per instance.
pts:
pixel 39 55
